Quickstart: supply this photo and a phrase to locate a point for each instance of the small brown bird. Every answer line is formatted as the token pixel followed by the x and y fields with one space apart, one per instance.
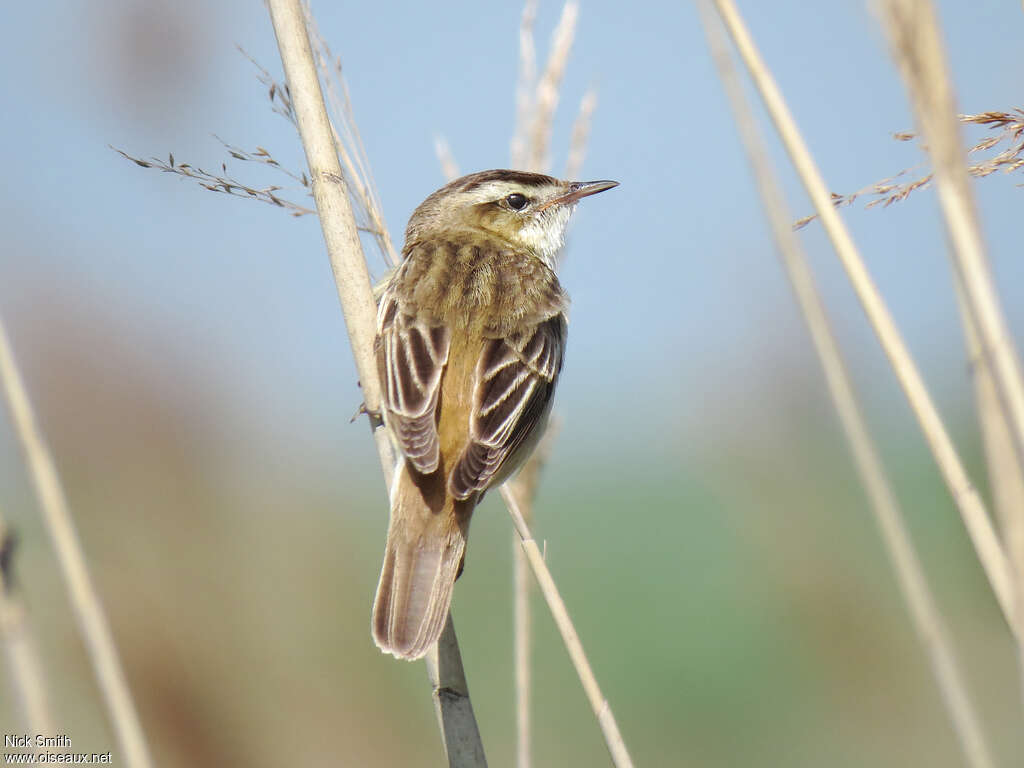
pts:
pixel 470 336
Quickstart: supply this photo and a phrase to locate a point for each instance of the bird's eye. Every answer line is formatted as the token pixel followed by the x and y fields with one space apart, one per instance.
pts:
pixel 517 201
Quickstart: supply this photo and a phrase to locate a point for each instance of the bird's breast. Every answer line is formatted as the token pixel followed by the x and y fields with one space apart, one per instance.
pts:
pixel 479 285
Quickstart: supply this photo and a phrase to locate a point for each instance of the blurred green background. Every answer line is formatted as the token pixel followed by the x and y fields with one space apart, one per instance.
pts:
pixel 187 359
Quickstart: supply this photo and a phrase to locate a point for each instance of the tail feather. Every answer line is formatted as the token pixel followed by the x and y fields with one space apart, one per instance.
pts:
pixel 425 546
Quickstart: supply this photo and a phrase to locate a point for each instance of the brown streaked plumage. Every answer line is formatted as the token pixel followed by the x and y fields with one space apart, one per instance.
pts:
pixel 471 333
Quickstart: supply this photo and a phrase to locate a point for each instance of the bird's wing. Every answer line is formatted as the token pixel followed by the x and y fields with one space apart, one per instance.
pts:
pixel 515 380
pixel 411 357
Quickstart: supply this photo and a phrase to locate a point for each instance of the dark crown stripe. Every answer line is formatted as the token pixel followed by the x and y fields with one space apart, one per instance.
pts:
pixel 474 180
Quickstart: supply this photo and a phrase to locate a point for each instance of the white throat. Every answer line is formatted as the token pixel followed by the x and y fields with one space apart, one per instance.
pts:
pixel 545 233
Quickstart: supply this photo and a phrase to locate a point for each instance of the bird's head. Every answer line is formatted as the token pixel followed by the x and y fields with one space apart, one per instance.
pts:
pixel 529 211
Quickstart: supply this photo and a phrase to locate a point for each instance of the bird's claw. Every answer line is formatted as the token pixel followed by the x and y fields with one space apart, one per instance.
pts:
pixel 376 417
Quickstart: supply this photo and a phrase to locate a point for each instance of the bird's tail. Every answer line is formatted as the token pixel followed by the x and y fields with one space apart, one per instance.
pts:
pixel 422 558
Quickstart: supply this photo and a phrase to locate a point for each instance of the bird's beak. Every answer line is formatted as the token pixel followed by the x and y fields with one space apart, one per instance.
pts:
pixel 581 189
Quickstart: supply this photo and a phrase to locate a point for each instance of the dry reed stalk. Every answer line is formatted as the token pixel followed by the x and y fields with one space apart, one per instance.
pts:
pixel 910 575
pixel 965 495
pixel 348 141
pixel 353 284
pixel 522 633
pixel 524 488
pixel 1005 477
pixel 26 671
pixel 546 98
pixel 915 40
pixel 598 703
pixel 27 679
pixel 85 601
pixel 454 709
pixel 336 218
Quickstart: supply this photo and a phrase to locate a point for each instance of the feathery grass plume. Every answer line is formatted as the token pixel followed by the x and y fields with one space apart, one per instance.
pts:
pixel 962 490
pixel 227 184
pixel 536 104
pixel 285 198
pixel 912 27
pixel 546 99
pixel 924 612
pixel 85 601
pixel 1009 159
pixel 28 683
pixel 359 181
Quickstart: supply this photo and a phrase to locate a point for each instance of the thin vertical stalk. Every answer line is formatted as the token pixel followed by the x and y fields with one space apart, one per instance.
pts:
pixel 522 632
pixel 598 703
pixel 524 488
pixel 336 218
pixel 26 671
pixel 454 709
pixel 1004 473
pixel 85 601
pixel 348 141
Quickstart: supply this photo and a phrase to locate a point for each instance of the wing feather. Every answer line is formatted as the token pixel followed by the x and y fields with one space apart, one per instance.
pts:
pixel 411 358
pixel 514 385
